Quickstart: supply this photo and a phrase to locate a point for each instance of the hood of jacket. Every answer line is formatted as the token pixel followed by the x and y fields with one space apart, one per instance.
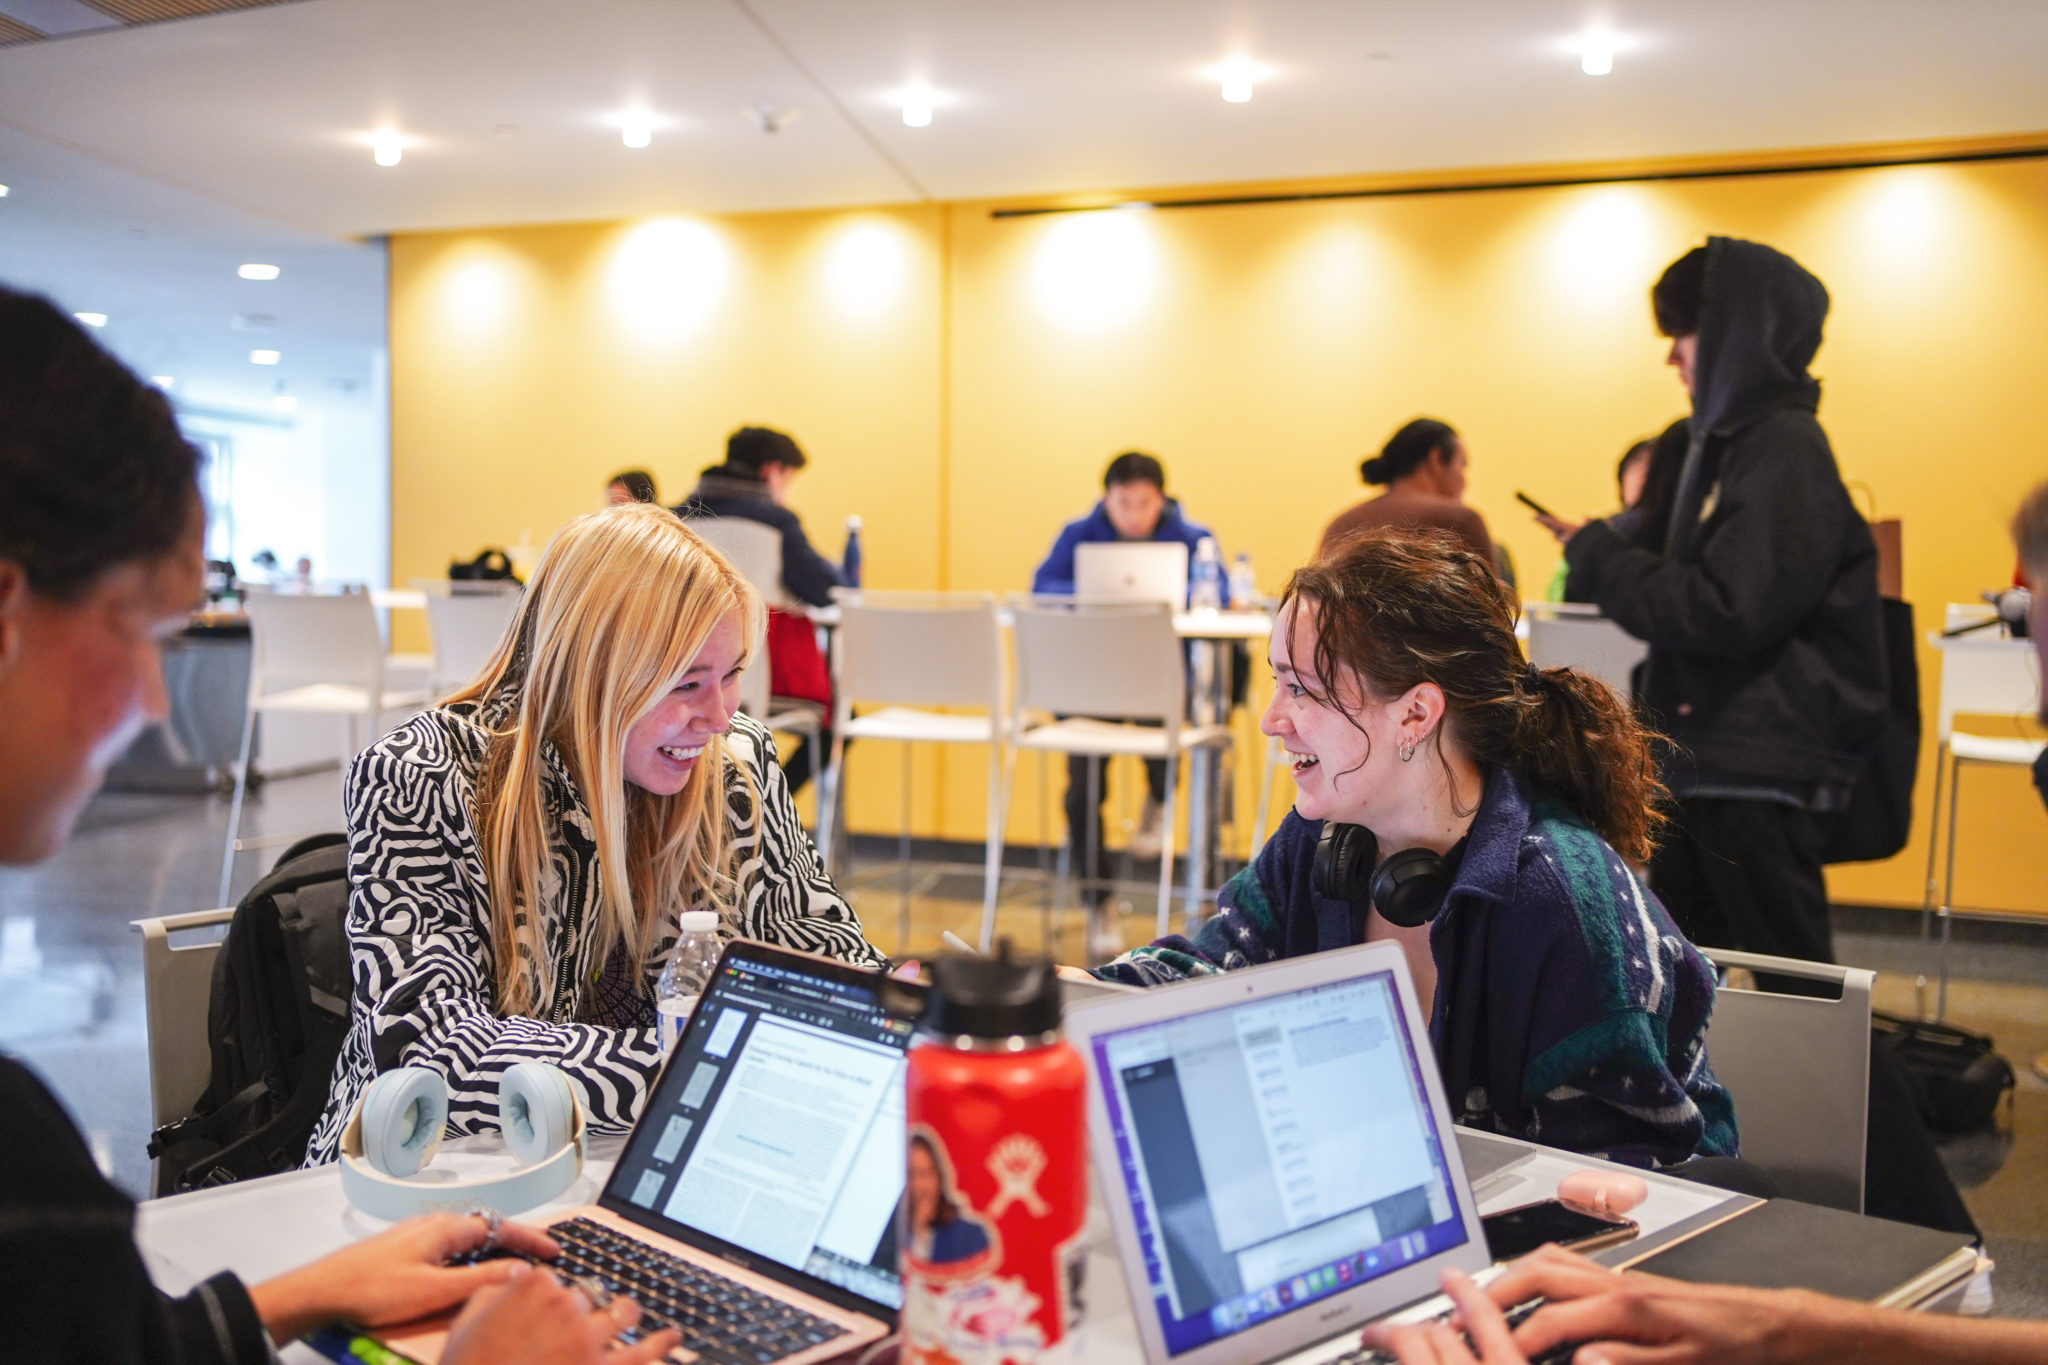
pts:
pixel 1760 324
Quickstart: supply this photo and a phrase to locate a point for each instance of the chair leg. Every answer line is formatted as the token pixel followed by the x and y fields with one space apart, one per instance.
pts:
pixel 1268 760
pixel 1169 826
pixel 992 862
pixel 1045 856
pixel 1948 885
pixel 1927 899
pixel 227 857
pixel 826 837
pixel 903 863
pixel 1091 842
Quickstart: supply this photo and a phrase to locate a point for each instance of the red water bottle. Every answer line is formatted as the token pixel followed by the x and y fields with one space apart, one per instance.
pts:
pixel 997 1188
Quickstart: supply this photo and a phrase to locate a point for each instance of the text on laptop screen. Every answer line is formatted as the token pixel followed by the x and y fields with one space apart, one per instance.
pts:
pixel 778 1127
pixel 1274 1153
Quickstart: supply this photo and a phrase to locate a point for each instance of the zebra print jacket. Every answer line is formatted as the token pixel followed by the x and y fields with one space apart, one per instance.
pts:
pixel 420 947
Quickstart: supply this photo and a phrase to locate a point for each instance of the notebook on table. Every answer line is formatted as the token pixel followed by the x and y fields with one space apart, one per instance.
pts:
pixel 1276 1155
pixel 754 1204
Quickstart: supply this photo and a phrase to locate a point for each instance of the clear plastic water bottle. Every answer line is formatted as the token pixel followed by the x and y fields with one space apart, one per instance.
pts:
pixel 1244 586
pixel 849 563
pixel 1205 579
pixel 690 964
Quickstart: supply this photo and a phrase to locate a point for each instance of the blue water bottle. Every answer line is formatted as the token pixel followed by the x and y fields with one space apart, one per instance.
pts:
pixel 849 563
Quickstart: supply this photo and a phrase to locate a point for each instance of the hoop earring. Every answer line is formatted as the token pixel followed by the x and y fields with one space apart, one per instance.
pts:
pixel 1407 750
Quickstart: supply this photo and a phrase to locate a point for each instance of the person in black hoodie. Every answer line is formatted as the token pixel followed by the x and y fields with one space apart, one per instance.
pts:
pixel 101 525
pixel 1766 667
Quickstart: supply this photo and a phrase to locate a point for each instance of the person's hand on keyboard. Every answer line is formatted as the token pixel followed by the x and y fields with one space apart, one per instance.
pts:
pixel 538 1317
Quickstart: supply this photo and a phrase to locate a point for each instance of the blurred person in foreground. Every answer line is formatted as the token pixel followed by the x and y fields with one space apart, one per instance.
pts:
pixel 101 525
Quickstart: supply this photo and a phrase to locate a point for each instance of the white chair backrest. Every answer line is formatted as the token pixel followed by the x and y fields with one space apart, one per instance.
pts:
pixel 1986 676
pixel 464 631
pixel 755 550
pixel 177 983
pixel 1087 659
pixel 316 639
pixel 920 649
pixel 1799 1071
pixel 1591 644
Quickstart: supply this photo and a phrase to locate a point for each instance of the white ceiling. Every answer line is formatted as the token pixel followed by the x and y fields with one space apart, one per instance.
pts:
pixel 240 135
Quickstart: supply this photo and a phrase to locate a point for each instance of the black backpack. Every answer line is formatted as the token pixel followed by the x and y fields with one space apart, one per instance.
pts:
pixel 1957 1077
pixel 277 1017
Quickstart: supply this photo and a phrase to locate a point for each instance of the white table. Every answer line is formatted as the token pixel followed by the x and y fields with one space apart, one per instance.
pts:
pixel 261 1228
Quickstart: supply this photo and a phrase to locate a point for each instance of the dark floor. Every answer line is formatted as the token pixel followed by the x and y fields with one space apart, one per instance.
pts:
pixel 71 988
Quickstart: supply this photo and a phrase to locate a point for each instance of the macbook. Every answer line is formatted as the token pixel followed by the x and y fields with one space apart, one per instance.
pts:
pixel 1132 571
pixel 1276 1155
pixel 754 1204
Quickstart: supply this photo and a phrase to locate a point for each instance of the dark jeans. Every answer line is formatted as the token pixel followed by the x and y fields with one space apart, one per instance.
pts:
pixel 1745 875
pixel 1084 825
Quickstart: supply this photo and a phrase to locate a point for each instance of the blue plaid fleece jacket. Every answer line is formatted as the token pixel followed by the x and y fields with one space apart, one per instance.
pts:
pixel 1569 1009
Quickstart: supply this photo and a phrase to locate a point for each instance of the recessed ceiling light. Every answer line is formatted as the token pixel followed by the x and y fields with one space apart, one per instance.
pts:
pixel 1596 54
pixel 92 319
pixel 163 381
pixel 264 357
pixel 637 128
pixel 1237 76
pixel 917 107
pixel 253 271
pixel 3 191
pixel 387 145
pixel 285 402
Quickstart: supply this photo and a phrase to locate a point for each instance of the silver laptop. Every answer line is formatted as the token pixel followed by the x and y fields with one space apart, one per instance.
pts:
pixel 1277 1158
pixel 1132 571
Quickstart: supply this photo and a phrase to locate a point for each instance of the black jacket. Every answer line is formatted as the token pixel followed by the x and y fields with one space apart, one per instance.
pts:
pixel 731 491
pixel 1766 663
pixel 72 1284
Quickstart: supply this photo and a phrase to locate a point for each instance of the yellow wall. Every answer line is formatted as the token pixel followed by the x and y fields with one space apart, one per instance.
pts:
pixel 960 381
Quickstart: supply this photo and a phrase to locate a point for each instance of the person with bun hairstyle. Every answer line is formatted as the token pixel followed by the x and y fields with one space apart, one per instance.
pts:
pixel 101 525
pixel 1567 1009
pixel 1423 469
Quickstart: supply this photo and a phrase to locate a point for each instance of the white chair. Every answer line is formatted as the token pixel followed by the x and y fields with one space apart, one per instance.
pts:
pixel 1572 635
pixel 177 988
pixel 1798 1069
pixel 912 652
pixel 464 630
pixel 1083 660
pixel 1981 674
pixel 322 655
pixel 756 551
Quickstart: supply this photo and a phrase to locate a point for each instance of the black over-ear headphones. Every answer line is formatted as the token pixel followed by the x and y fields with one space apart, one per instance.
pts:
pixel 1408 889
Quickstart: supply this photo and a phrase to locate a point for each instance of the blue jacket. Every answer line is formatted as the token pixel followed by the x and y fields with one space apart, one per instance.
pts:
pixel 1056 575
pixel 1569 1009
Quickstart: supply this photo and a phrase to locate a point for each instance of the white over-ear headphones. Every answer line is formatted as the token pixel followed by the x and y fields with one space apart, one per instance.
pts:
pixel 398 1124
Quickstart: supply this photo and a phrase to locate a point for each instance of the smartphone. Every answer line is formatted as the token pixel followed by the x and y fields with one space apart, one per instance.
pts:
pixel 1519 1231
pixel 1538 508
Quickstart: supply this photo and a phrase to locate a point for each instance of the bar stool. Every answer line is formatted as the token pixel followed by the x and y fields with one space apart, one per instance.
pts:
pixel 1080 660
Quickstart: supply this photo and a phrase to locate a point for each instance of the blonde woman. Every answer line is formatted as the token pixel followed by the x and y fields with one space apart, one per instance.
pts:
pixel 518 855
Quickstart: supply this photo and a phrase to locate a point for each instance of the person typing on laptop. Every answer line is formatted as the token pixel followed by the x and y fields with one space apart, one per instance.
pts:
pixel 1134 507
pixel 101 527
pixel 518 855
pixel 1491 818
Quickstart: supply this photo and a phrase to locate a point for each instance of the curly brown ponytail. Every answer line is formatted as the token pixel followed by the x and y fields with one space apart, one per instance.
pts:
pixel 1399 607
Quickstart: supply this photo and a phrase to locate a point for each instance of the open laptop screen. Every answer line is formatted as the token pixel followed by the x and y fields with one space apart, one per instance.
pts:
pixel 775 1134
pixel 1275 1152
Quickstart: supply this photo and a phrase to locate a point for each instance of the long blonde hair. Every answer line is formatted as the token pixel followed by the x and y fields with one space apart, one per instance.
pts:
pixel 618 608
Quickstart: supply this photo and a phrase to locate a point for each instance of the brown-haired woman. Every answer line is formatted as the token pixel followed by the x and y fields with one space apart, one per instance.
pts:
pixel 1508 805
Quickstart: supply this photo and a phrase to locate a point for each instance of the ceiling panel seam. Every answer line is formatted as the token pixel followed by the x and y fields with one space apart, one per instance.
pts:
pixel 832 98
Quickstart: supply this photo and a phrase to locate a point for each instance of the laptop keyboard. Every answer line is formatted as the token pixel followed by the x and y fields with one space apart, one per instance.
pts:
pixel 1516 1316
pixel 721 1320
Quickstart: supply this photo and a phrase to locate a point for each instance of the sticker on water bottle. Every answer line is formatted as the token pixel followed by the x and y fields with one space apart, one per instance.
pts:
pixel 671 1017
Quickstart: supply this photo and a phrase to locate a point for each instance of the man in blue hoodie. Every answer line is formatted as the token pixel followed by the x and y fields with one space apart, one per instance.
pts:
pixel 1134 506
